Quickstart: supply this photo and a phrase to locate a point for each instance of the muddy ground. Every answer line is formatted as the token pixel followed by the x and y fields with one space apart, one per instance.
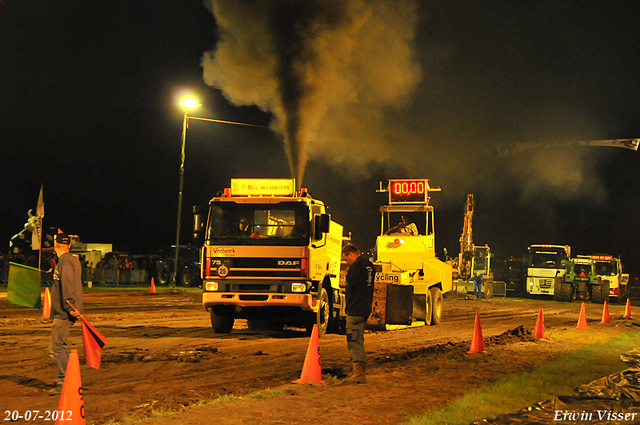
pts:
pixel 162 355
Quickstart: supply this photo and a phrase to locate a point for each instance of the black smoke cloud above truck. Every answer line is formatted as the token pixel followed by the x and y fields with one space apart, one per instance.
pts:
pixel 327 70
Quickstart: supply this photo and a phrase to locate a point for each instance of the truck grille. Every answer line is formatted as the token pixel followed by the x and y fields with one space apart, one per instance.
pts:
pixel 254 297
pixel 546 283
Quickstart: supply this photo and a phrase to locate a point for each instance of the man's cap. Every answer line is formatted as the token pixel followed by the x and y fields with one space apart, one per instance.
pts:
pixel 63 238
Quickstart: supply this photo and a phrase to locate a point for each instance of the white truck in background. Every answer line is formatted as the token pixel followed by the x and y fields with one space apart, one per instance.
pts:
pixel 543 264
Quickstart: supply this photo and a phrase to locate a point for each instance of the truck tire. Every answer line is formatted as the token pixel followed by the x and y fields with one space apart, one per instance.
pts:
pixel 222 318
pixel 323 316
pixel 428 308
pixel 557 289
pixel 488 290
pixel 566 292
pixel 600 293
pixel 622 294
pixel 162 273
pixel 436 306
pixel 185 278
pixel 422 305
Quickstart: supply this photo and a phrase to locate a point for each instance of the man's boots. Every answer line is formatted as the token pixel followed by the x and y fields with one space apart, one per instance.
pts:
pixel 358 376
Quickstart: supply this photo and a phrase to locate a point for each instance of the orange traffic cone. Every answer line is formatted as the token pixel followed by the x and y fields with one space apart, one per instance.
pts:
pixel 46 305
pixel 477 342
pixel 582 321
pixel 311 371
pixel 605 313
pixel 627 310
pixel 153 287
pixel 538 331
pixel 71 406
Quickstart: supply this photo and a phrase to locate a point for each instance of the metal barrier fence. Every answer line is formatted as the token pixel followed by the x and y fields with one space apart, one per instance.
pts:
pixel 94 277
pixel 499 289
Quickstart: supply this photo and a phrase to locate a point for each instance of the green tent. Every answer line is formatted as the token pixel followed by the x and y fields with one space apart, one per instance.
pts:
pixel 24 286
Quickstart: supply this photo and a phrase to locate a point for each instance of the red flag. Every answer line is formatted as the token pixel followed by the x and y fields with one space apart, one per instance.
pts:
pixel 93 343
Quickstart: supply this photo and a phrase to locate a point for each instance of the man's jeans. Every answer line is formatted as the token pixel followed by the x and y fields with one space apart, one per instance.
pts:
pixel 355 337
pixel 58 346
pixel 477 288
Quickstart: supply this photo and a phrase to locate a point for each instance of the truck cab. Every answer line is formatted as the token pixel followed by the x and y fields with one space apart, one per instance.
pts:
pixel 271 255
pixel 609 270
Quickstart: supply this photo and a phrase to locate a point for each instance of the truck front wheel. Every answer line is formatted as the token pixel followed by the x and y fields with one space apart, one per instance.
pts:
pixel 323 315
pixel 222 318
pixel 436 305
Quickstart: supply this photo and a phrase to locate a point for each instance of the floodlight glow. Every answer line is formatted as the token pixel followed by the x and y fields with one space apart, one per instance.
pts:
pixel 190 103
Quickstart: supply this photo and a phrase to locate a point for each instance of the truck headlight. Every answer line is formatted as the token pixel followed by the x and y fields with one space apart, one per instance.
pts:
pixel 211 286
pixel 298 287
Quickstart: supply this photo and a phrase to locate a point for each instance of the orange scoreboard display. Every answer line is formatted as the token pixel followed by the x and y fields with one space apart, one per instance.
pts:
pixel 408 191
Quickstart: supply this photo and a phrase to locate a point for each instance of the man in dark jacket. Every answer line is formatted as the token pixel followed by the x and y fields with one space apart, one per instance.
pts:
pixel 478 283
pixel 67 286
pixel 359 297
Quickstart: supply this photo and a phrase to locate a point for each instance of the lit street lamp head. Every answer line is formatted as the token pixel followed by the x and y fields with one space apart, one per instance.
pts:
pixel 190 103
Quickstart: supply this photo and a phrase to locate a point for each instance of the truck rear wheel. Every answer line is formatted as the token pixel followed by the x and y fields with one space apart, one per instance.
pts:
pixel 436 305
pixel 222 318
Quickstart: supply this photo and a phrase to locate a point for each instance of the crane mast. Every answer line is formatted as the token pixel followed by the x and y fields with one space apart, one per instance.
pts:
pixel 466 239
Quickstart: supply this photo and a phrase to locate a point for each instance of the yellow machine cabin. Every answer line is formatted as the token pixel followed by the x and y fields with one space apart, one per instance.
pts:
pixel 410 279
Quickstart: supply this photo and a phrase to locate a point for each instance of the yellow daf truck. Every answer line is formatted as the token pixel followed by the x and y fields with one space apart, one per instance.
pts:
pixel 271 255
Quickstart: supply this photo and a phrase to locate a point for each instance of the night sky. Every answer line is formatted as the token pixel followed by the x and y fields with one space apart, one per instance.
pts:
pixel 353 93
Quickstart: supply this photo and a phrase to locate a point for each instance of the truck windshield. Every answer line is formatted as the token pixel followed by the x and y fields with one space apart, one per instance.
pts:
pixel 547 259
pixel 582 268
pixel 285 223
pixel 608 269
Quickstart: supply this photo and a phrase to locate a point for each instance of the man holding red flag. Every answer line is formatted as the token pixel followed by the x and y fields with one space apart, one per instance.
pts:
pixel 66 290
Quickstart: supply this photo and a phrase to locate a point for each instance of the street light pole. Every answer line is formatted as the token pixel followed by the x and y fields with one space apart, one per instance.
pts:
pixel 187 104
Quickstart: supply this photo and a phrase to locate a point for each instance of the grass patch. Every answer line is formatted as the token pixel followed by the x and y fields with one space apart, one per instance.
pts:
pixel 515 392
pixel 259 395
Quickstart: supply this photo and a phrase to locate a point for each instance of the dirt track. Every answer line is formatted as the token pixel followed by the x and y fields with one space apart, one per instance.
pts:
pixel 162 355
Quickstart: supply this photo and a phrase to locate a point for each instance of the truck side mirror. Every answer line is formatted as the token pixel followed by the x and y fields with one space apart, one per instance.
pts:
pixel 198 225
pixel 321 225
